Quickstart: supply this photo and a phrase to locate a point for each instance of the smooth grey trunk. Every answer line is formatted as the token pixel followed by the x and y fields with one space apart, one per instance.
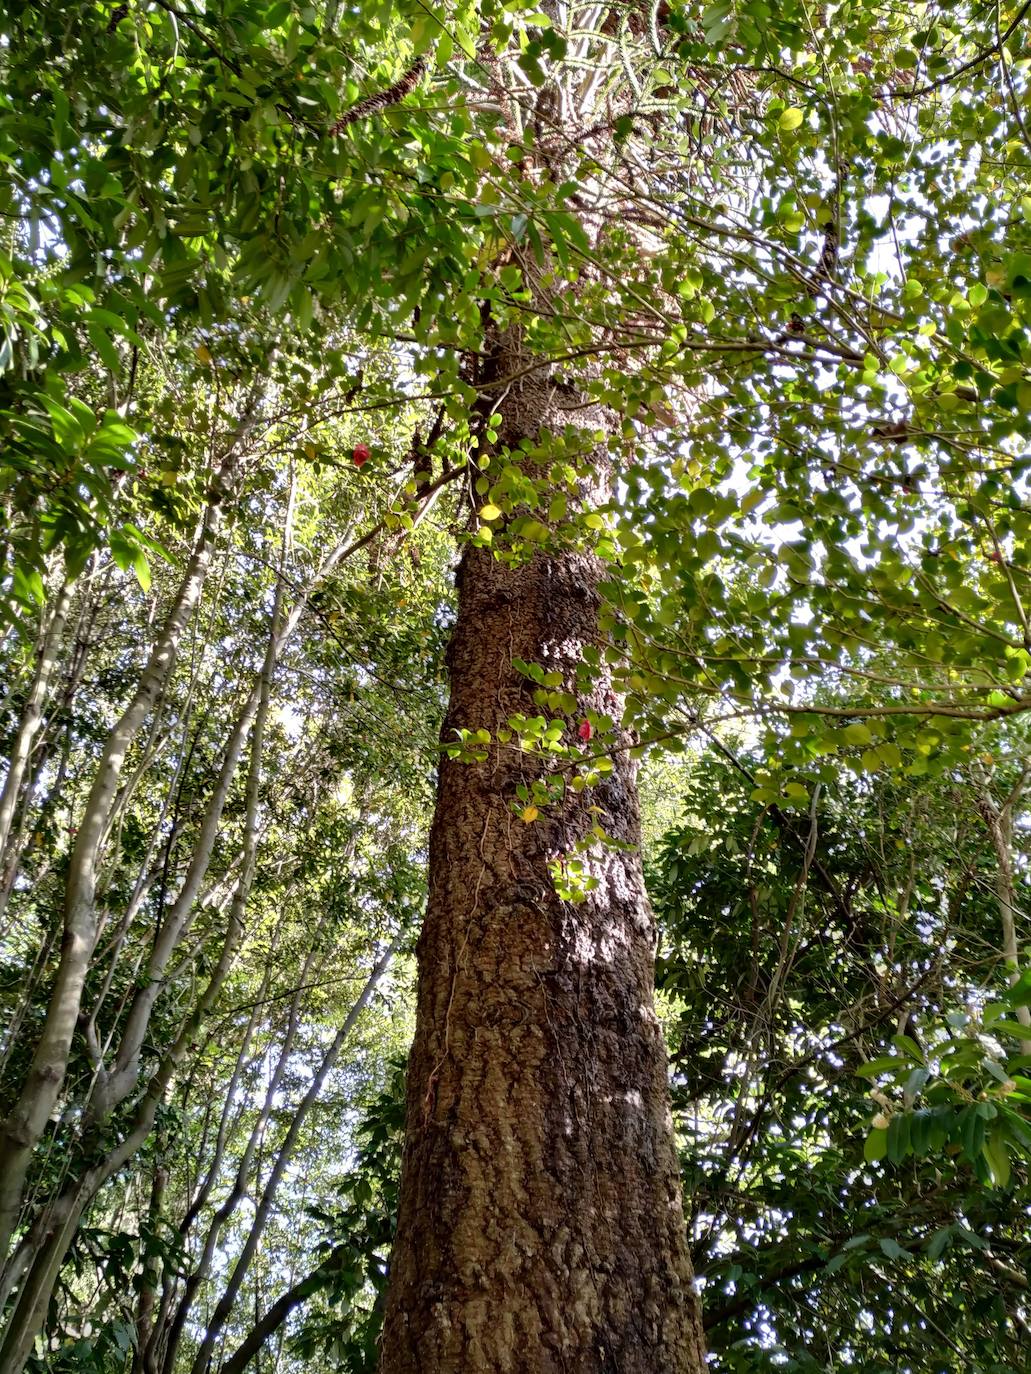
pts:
pixel 227 1207
pixel 998 819
pixel 150 1278
pixel 28 1118
pixel 163 1346
pixel 284 1154
pixel 113 1086
pixel 32 716
pixel 57 1225
pixel 31 1308
pixel 269 1323
pixel 211 1176
pixel 243 1171
pixel 33 1296
pixel 16 841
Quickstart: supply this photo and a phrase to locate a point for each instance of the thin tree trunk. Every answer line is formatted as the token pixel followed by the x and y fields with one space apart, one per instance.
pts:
pixel 57 1225
pixel 32 716
pixel 541 1227
pixel 113 1086
pixel 162 1346
pixel 42 1085
pixel 243 1170
pixel 29 1314
pixel 268 1324
pixel 998 819
pixel 150 1277
pixel 16 843
pixel 263 1210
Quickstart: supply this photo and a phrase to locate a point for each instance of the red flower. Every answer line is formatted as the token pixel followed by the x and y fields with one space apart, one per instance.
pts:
pixel 360 454
pixel 586 730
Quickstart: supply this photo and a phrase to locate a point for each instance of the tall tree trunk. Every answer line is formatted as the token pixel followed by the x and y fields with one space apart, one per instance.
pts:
pixel 540 1226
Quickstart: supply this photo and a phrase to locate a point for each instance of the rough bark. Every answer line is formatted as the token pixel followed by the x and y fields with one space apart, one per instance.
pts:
pixel 541 1225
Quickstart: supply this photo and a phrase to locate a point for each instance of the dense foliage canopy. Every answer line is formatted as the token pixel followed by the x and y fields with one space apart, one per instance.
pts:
pixel 249 254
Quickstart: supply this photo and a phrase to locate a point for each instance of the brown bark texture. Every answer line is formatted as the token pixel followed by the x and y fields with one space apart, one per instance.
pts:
pixel 541 1227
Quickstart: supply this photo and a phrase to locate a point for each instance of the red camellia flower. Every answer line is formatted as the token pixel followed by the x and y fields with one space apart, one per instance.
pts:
pixel 586 730
pixel 360 454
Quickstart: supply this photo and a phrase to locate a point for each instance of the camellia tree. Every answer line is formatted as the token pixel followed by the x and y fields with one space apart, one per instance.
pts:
pixel 701 330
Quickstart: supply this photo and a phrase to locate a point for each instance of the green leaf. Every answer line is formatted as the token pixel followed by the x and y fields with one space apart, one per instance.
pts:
pixel 101 341
pixel 997 1155
pixel 876 1146
pixel 893 1249
pixel 885 755
pixel 67 430
pixel 857 733
pixel 141 568
pixel 888 1063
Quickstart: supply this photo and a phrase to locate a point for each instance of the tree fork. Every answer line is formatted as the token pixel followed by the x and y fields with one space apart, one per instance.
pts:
pixel 540 1225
